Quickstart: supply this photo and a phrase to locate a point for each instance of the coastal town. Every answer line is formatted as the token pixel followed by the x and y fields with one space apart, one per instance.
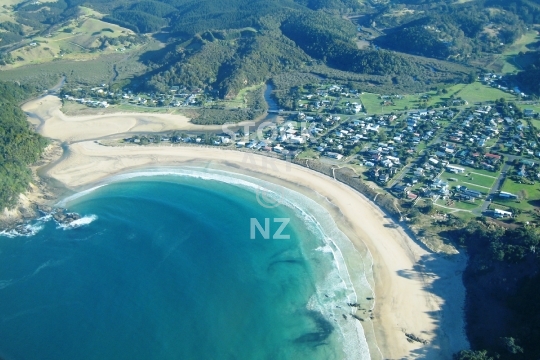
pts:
pixel 464 158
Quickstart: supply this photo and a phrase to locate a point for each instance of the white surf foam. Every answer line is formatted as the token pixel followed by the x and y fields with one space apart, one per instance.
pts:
pixel 339 287
pixel 85 220
pixel 26 230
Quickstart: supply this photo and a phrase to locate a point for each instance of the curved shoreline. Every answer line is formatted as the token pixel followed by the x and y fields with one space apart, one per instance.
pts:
pixel 416 291
pixel 320 224
pixel 403 303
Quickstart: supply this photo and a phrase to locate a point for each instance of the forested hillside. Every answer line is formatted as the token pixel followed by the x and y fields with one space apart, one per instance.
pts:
pixel 502 280
pixel 227 45
pixel 458 31
pixel 19 145
pixel 227 60
pixel 529 78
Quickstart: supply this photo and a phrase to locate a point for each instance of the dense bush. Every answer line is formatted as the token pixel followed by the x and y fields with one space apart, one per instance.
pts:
pixel 19 145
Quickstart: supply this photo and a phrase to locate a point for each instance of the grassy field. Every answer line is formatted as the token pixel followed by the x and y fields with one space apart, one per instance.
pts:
pixel 534 106
pixel 308 154
pixel 90 72
pixel 474 179
pixel 536 123
pixel 240 99
pixel 372 103
pixel 79 39
pixel 477 92
pixel 522 205
pixel 472 93
pixel 480 171
pixel 514 187
pixel 7 13
pixel 507 62
pixel 532 195
pixel 438 100
pixel 461 205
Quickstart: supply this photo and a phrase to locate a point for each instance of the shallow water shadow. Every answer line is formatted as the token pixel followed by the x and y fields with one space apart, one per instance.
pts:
pixel 441 276
pixel 323 330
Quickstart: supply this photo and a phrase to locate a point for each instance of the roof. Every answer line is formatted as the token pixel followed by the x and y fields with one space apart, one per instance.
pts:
pixel 492 156
pixel 412 196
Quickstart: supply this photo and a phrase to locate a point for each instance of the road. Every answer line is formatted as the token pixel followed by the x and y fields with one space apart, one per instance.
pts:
pixel 497 184
pixel 401 174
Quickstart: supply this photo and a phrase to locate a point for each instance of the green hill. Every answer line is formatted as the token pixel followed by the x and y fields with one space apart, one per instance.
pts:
pixel 19 145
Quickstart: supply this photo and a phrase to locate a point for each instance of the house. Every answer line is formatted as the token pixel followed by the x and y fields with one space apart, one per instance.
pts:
pixel 528 112
pixel 383 178
pixel 374 128
pixel 497 213
pixel 440 186
pixel 507 195
pixel 492 158
pixel 455 169
pixel 296 140
pixel 468 192
pixel 334 155
pixel 440 154
pixel 399 188
pixel 488 166
pixel 394 159
pixel 419 172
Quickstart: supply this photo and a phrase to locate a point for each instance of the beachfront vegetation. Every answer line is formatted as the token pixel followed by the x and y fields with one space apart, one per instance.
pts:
pixel 502 290
pixel 19 145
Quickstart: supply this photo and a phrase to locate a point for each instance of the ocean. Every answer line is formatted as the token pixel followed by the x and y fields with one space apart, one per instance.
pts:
pixel 185 263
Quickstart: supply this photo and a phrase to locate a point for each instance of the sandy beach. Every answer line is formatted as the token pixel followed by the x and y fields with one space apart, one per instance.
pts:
pixel 416 291
pixel 51 122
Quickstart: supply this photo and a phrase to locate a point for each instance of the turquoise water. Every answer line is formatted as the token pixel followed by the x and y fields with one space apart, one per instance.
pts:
pixel 165 267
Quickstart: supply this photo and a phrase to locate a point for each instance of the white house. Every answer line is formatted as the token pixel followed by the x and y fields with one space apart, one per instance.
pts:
pixel 501 213
pixel 334 155
pixel 455 169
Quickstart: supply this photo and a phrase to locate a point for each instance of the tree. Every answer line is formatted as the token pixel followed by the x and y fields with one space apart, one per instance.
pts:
pixel 472 355
pixel 510 345
pixel 471 77
pixel 523 194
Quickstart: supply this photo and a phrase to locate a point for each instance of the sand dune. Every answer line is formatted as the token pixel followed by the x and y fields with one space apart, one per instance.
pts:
pixel 53 123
